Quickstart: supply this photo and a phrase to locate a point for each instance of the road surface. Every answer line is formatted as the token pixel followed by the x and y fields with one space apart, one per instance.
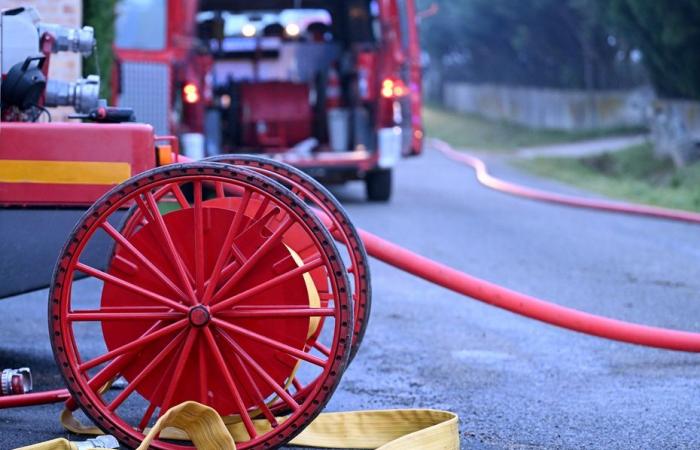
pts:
pixel 515 383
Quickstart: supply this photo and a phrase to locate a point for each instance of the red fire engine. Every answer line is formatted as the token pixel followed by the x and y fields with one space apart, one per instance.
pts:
pixel 333 87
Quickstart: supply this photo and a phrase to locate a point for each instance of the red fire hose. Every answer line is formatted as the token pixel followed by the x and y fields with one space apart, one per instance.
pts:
pixel 488 180
pixel 525 305
pixel 36 398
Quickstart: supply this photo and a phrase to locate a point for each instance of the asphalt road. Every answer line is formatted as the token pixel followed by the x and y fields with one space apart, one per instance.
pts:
pixel 515 383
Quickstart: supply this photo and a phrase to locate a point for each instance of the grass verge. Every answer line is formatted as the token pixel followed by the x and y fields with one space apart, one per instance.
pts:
pixel 470 131
pixel 632 174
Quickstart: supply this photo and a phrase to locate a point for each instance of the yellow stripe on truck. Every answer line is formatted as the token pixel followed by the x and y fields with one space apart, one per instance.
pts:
pixel 64 172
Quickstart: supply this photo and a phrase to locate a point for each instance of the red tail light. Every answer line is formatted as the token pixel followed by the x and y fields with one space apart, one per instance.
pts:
pixel 190 93
pixel 392 88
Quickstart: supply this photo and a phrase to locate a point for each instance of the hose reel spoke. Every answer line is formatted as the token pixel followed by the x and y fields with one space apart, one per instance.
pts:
pixel 250 263
pixel 219 359
pixel 225 249
pixel 124 394
pixel 299 354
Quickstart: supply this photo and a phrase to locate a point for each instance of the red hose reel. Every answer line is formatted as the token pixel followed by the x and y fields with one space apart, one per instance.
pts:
pixel 221 286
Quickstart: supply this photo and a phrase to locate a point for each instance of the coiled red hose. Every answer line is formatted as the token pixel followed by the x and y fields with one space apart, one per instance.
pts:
pixel 488 180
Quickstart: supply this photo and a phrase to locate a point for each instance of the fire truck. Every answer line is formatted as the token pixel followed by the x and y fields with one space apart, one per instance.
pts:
pixel 332 87
pixel 160 70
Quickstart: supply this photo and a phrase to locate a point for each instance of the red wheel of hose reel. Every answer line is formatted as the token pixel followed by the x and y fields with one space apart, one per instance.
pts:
pixel 201 299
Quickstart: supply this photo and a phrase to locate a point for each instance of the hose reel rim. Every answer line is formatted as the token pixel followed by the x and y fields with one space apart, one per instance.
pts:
pixel 334 365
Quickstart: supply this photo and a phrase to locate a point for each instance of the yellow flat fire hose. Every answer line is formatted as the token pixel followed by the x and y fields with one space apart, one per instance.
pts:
pixel 407 429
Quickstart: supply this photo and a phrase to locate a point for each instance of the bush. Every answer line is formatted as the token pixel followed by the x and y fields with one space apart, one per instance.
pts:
pixel 100 14
pixel 667 34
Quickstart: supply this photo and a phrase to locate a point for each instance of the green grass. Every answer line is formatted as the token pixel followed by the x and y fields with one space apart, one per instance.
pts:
pixel 632 174
pixel 473 132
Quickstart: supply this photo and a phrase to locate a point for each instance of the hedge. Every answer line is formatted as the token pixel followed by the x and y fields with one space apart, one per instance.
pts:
pixel 101 14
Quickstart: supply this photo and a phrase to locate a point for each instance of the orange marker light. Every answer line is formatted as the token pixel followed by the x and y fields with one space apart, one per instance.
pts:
pixel 164 155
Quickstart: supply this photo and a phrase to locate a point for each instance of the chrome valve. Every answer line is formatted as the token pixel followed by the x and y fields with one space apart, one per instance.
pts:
pixel 83 95
pixel 74 40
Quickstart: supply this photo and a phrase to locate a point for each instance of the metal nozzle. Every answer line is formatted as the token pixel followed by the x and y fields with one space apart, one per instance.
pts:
pixel 75 40
pixel 15 381
pixel 83 95
pixel 105 441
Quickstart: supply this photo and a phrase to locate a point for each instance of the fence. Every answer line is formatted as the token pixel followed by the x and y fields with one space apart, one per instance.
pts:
pixel 550 108
pixel 674 124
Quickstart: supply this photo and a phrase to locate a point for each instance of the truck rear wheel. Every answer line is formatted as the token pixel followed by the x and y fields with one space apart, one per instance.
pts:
pixel 378 183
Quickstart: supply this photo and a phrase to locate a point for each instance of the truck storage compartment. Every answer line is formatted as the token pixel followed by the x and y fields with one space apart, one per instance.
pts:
pixel 275 115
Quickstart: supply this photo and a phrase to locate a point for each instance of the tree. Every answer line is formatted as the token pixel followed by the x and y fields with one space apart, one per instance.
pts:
pixel 668 36
pixel 551 43
pixel 101 15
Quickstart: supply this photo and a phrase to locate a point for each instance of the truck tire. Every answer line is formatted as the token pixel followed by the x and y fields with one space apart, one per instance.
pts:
pixel 378 183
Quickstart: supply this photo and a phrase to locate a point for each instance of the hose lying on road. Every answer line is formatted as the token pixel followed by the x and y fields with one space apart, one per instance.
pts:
pixel 525 305
pixel 488 180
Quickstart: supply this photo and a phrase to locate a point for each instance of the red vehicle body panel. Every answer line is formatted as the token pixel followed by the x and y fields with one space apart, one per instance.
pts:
pixel 362 160
pixel 415 80
pixel 63 164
